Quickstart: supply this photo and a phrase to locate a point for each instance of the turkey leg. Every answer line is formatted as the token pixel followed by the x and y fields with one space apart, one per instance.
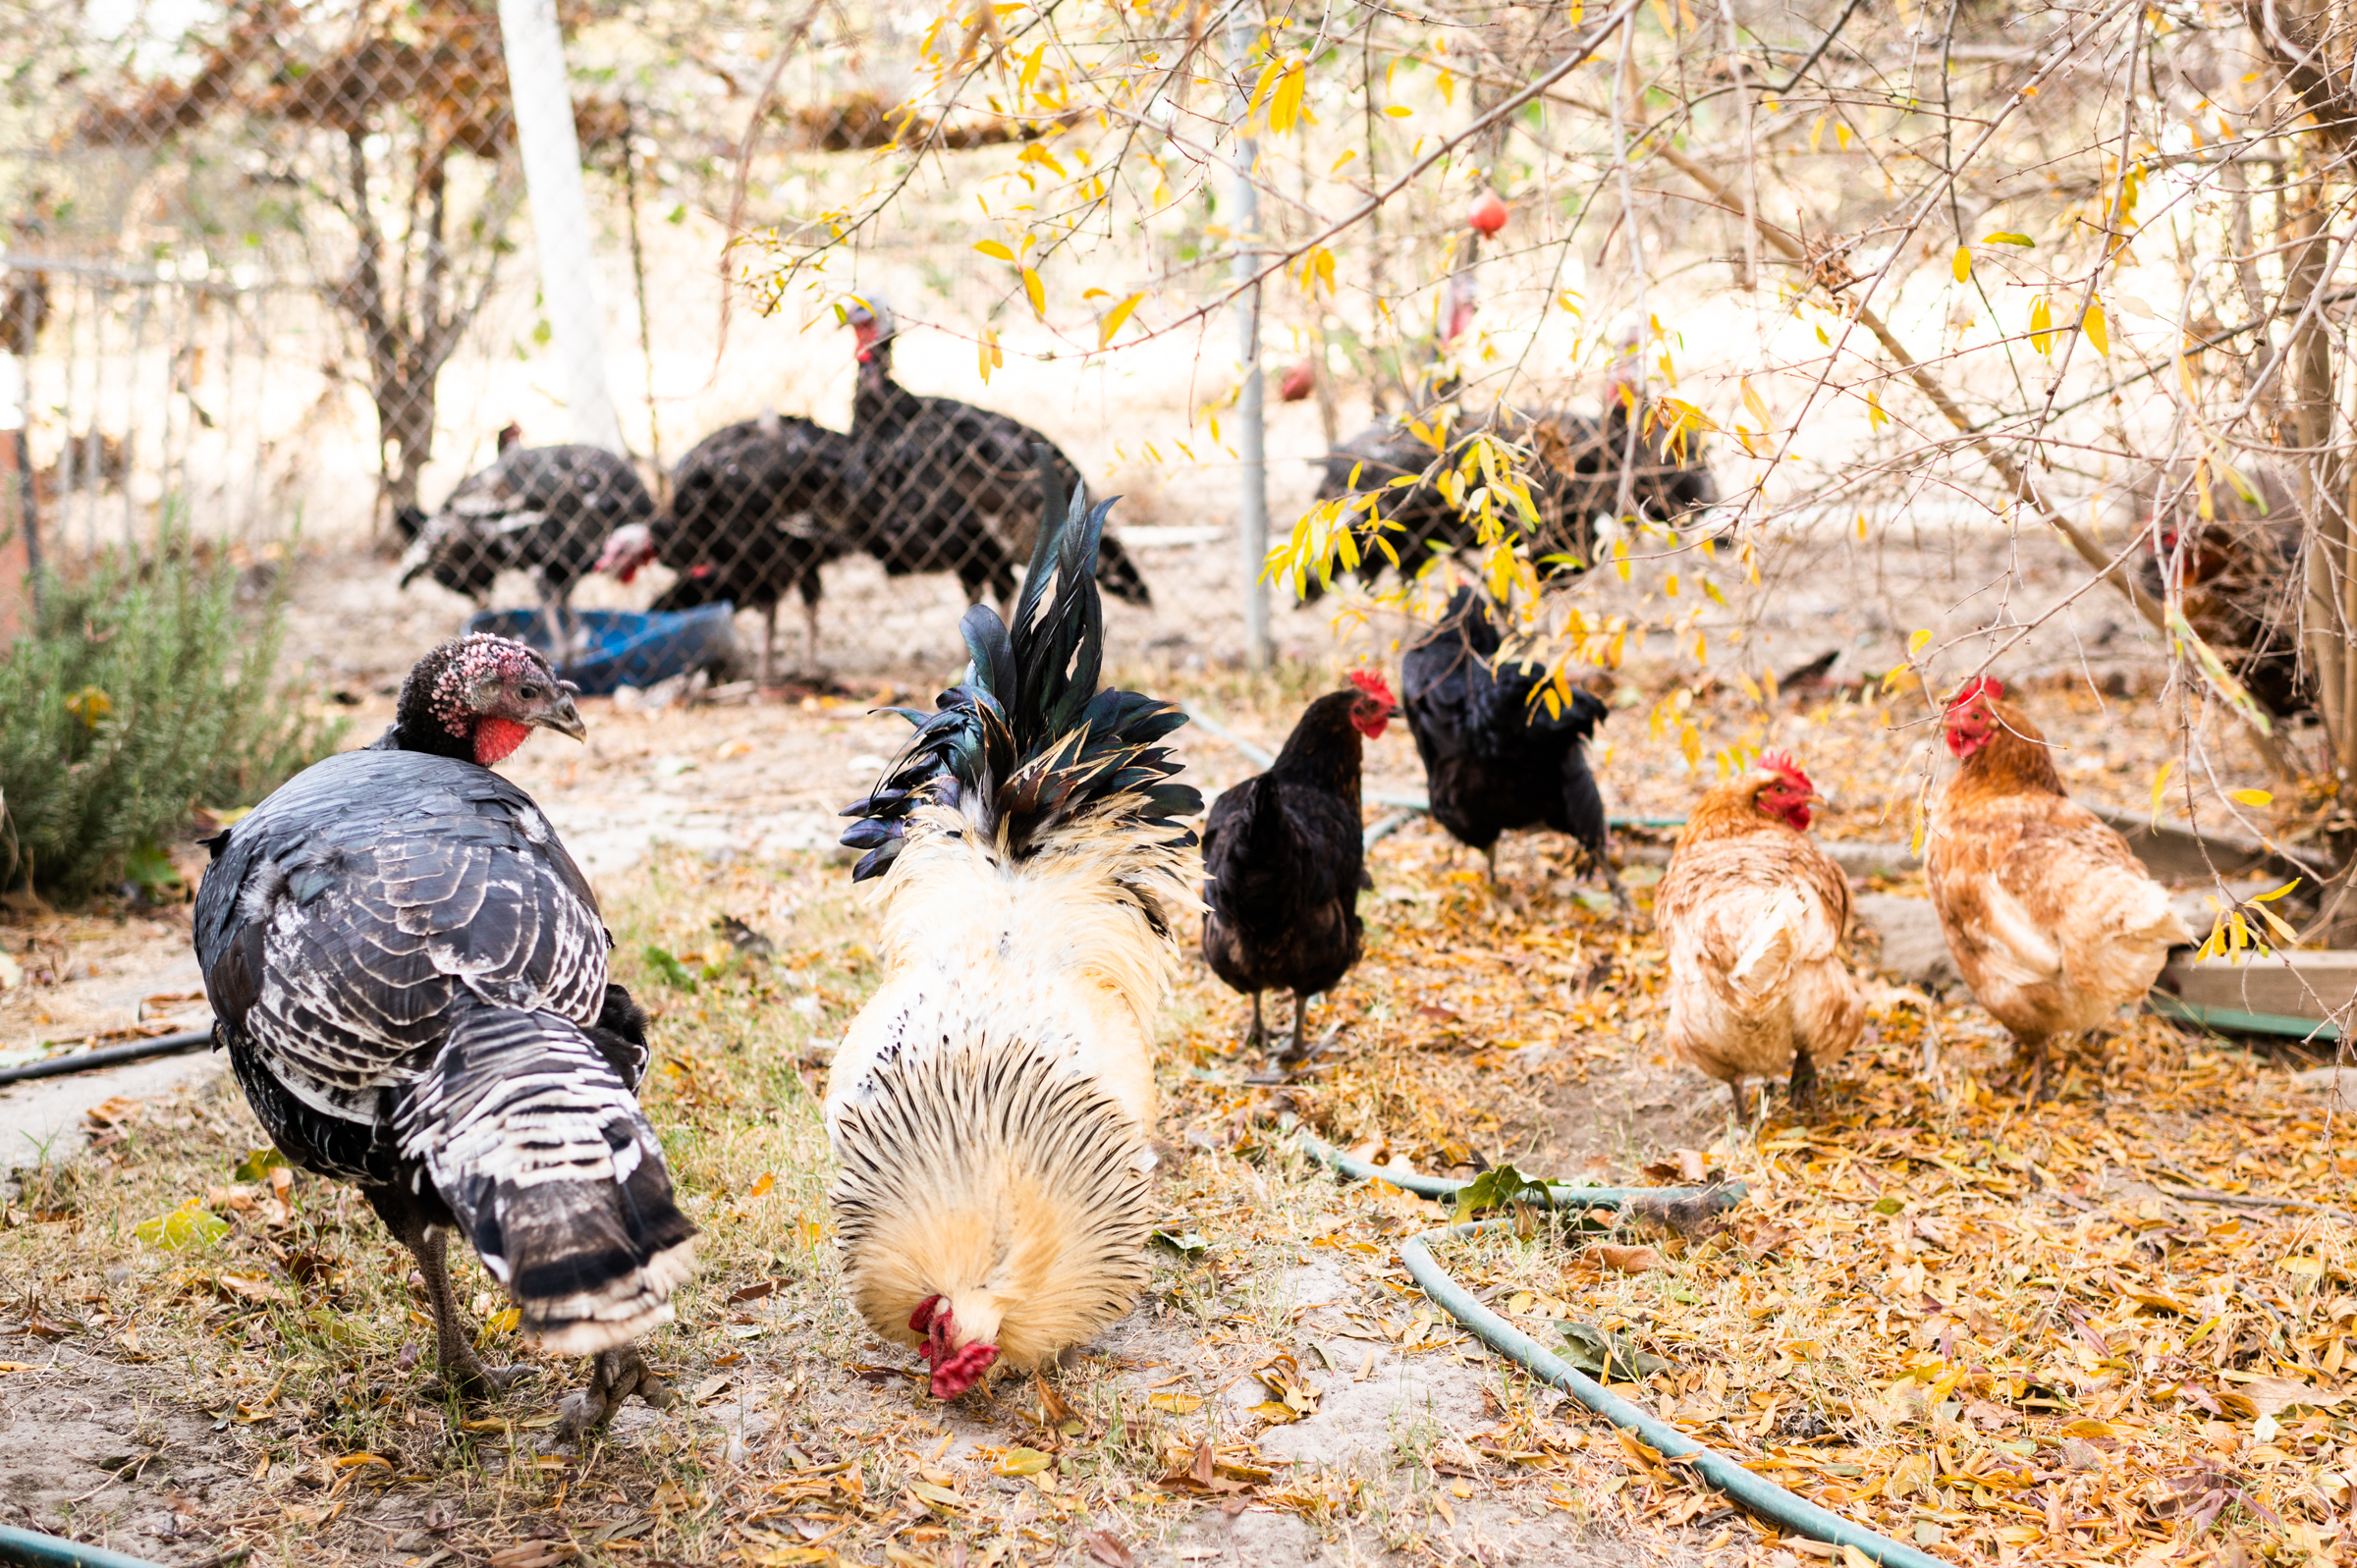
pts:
pixel 614 1375
pixel 461 1372
pixel 811 636
pixel 769 646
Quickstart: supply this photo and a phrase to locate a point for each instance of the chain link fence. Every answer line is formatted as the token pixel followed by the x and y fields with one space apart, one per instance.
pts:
pixel 272 270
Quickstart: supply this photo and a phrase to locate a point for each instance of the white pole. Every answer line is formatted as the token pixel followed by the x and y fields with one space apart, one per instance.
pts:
pixel 1252 522
pixel 552 177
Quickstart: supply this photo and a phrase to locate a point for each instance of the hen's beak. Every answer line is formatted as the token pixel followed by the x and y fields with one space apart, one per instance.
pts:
pixel 561 715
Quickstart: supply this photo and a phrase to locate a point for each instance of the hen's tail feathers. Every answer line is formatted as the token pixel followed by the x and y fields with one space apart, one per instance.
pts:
pixel 532 1139
pixel 1026 742
pixel 993 1169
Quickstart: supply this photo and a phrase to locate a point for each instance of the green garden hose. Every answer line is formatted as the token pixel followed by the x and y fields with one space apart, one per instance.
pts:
pixel 28 1548
pixel 1763 1498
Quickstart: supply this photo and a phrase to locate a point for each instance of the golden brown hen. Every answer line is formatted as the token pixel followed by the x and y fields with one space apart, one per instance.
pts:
pixel 1753 915
pixel 2048 916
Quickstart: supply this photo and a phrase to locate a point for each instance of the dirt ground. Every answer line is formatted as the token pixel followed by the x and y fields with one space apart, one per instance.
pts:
pixel 198 1358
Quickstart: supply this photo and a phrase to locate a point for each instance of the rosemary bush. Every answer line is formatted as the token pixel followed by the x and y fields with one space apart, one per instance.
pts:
pixel 142 692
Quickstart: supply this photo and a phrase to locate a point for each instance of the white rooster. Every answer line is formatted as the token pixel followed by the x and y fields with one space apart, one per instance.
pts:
pixel 990 1105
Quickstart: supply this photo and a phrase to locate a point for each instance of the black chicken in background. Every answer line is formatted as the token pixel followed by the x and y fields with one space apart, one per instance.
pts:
pixel 409 975
pixel 543 510
pixel 757 508
pixel 1495 758
pixel 1283 861
pixel 953 487
pixel 1575 473
pixel 2237 574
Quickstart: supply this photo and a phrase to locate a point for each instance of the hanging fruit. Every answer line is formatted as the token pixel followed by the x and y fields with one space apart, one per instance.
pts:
pixel 1299 382
pixel 1487 215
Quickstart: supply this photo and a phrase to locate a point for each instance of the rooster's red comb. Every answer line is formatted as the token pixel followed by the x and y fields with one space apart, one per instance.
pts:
pixel 1978 686
pixel 1371 682
pixel 1781 762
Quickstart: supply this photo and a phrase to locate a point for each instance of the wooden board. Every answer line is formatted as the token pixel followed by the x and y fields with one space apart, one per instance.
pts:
pixel 2290 985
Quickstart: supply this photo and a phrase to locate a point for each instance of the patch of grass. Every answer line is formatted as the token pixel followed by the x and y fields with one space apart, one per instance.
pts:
pixel 142 690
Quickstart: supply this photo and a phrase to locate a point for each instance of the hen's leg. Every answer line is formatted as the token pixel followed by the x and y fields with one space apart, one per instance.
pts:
pixel 811 634
pixel 769 645
pixel 1490 855
pixel 614 1375
pixel 2034 1050
pixel 1258 1035
pixel 1735 1087
pixel 1804 1082
pixel 1293 1046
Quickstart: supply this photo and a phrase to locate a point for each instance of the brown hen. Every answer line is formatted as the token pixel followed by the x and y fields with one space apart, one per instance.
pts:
pixel 2050 917
pixel 1753 915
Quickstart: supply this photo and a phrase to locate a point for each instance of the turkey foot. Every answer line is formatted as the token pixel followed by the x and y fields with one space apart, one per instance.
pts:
pixel 614 1375
pixel 1804 1082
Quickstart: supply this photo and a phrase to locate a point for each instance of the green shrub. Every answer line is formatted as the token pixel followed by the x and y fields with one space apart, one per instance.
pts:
pixel 142 692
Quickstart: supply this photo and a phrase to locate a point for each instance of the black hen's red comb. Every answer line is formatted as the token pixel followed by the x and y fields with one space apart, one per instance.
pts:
pixel 1371 682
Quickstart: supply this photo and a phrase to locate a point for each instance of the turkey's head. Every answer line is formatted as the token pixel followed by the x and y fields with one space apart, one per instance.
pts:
pixel 1971 721
pixel 1787 795
pixel 1374 707
pixel 630 548
pixel 478 698
pixel 957 1356
pixel 872 326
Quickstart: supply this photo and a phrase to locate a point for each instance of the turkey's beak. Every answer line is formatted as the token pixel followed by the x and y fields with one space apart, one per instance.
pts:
pixel 562 715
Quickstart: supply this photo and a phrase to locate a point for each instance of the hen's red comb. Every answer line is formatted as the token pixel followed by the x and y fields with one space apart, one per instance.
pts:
pixel 1781 762
pixel 1978 686
pixel 1371 682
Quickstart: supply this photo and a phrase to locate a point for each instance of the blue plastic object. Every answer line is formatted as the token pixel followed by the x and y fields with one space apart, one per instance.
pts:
pixel 627 647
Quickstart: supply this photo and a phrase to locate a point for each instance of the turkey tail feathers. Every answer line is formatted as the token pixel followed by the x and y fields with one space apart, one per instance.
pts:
pixel 995 1169
pixel 541 1151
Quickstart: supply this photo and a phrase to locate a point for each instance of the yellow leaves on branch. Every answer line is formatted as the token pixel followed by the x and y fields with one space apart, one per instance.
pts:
pixel 1317 267
pixel 988 355
pixel 1114 319
pixel 1961 264
pixel 1279 91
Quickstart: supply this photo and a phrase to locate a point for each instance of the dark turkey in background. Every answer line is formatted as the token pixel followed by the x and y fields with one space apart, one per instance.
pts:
pixel 547 511
pixel 953 487
pixel 757 508
pixel 2238 572
pixel 1575 474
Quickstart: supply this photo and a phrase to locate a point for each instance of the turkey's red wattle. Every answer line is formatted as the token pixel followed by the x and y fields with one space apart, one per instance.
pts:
pixel 496 739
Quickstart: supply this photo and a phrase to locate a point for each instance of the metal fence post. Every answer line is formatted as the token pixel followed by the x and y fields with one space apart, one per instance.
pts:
pixel 1252 516
pixel 552 177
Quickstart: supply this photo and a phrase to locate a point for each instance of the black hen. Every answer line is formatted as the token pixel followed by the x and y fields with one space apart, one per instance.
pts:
pixel 543 510
pixel 1495 757
pixel 757 508
pixel 1575 474
pixel 409 975
pixel 956 488
pixel 1282 859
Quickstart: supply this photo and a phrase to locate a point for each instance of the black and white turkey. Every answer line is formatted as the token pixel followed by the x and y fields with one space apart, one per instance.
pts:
pixel 409 975
pixel 756 508
pixel 953 487
pixel 547 511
